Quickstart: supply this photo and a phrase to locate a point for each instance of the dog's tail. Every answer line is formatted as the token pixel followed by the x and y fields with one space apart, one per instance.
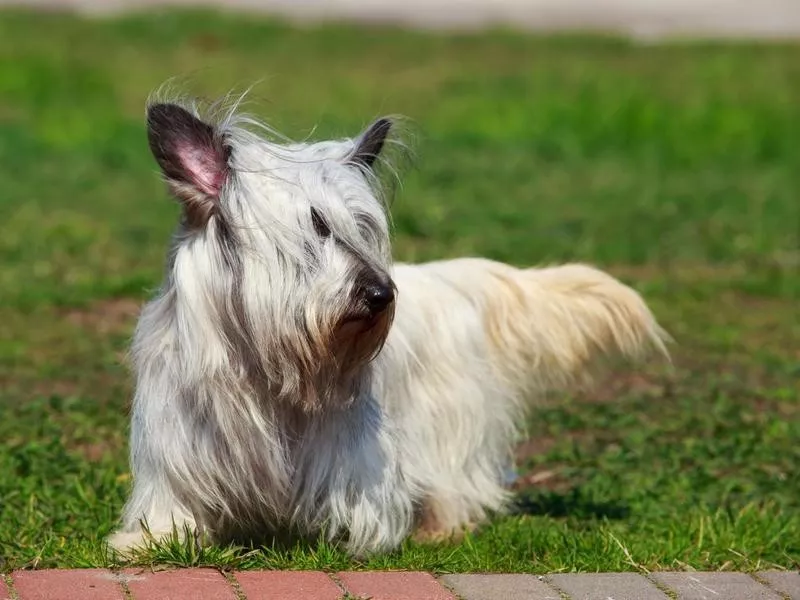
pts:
pixel 551 328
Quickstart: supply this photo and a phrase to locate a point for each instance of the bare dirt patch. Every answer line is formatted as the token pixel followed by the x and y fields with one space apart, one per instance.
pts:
pixel 96 452
pixel 107 316
pixel 543 478
pixel 619 384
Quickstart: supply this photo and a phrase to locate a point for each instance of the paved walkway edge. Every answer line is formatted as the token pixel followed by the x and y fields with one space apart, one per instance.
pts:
pixel 651 19
pixel 211 584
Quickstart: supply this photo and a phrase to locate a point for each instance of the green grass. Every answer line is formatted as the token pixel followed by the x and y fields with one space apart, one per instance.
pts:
pixel 676 167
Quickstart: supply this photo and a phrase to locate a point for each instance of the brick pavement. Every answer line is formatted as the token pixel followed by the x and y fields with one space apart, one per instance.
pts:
pixel 210 584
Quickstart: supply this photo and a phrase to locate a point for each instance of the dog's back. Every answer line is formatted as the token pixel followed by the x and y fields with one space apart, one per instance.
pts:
pixel 473 343
pixel 544 328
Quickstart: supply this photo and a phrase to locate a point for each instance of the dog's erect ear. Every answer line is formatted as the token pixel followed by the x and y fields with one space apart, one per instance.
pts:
pixel 192 156
pixel 370 143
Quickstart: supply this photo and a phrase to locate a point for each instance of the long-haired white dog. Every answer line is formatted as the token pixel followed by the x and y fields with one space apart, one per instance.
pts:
pixel 290 378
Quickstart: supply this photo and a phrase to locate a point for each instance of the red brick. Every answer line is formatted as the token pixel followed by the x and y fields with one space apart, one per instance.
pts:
pixel 287 585
pixel 395 586
pixel 59 584
pixel 183 584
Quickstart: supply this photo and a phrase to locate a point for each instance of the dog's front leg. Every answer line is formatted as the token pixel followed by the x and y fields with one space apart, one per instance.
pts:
pixel 352 487
pixel 154 509
pixel 151 514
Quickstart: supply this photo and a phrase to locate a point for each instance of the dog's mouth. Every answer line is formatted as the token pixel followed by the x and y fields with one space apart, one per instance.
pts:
pixel 364 328
pixel 365 318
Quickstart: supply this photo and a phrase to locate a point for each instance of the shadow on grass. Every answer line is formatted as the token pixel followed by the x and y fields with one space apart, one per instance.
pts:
pixel 572 503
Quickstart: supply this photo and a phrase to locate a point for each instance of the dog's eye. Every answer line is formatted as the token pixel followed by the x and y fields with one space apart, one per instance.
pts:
pixel 320 226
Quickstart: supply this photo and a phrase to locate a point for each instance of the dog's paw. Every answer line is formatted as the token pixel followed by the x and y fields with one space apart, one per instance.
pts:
pixel 428 535
pixel 125 542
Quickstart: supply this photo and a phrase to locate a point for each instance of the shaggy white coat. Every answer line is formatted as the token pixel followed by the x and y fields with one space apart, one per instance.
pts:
pixel 260 409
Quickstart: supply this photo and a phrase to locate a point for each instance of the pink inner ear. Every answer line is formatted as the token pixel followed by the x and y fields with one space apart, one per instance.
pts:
pixel 204 166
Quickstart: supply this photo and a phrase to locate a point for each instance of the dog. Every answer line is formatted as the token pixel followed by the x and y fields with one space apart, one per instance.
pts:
pixel 291 378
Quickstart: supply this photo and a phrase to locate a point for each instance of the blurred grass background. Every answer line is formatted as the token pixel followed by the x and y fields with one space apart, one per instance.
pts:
pixel 674 166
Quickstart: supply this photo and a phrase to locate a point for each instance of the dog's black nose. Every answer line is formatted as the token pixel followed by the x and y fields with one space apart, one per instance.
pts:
pixel 378 297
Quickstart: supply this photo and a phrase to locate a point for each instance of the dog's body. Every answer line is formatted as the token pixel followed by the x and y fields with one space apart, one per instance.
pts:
pixel 280 384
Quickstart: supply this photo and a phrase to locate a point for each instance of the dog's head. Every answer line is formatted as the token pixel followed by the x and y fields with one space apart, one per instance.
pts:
pixel 281 263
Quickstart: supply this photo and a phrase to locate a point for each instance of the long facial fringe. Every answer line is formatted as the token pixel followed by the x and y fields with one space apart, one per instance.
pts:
pixel 222 395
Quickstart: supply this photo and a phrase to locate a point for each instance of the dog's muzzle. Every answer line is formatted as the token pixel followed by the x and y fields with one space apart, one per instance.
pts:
pixel 373 298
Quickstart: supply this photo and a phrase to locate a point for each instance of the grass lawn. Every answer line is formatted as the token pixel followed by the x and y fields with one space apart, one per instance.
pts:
pixel 675 167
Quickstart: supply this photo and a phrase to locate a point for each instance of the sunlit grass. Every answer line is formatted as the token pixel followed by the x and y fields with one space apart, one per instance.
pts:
pixel 674 167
